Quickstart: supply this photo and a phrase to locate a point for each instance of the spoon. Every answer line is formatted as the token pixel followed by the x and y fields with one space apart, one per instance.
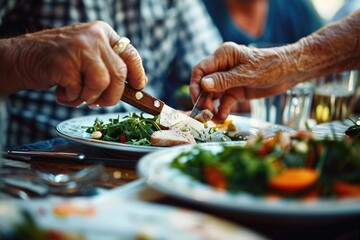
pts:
pixel 83 176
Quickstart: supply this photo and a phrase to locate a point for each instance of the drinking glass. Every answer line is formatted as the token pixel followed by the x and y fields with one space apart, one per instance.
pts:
pixel 334 96
pixel 291 108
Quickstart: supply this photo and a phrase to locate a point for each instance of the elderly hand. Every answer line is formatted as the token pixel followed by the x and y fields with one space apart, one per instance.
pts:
pixel 79 60
pixel 236 72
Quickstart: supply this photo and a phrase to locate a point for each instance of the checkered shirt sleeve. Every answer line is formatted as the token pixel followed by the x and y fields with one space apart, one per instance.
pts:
pixel 171 36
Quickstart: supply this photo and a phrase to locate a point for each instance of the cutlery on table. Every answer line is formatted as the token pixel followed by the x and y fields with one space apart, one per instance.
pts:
pixel 29 154
pixel 23 182
pixel 196 110
pixel 35 155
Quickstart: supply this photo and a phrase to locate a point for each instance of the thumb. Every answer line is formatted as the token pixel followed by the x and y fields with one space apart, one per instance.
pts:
pixel 220 81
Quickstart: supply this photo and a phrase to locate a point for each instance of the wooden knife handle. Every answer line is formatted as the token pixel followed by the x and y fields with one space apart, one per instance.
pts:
pixel 142 100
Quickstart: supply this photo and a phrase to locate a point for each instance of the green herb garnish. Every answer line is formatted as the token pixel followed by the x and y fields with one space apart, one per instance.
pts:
pixel 131 129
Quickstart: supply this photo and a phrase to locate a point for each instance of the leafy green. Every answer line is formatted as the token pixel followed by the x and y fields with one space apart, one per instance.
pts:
pixel 131 129
pixel 243 170
pixel 248 168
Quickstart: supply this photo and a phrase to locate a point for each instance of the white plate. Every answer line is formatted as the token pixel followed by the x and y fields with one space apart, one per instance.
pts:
pixel 117 218
pixel 332 129
pixel 73 130
pixel 155 169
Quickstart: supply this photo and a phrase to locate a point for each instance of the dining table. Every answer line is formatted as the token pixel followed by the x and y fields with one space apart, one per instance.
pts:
pixel 122 182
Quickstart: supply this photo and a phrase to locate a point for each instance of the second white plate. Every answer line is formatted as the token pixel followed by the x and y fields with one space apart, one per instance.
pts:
pixel 334 129
pixel 156 169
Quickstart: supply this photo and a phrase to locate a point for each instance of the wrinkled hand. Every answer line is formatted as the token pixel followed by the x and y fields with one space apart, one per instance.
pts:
pixel 80 61
pixel 236 72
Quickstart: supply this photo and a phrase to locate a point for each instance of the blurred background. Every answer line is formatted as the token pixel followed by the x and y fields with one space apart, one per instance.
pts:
pixel 327 9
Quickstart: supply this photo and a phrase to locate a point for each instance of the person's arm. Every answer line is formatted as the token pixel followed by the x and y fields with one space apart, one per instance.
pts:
pixel 78 59
pixel 8 68
pixel 335 47
pixel 237 72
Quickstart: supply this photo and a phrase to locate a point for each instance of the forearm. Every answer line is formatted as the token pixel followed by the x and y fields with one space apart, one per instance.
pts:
pixel 9 77
pixel 335 47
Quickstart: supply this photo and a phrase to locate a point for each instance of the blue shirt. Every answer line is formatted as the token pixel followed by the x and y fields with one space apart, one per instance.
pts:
pixel 287 21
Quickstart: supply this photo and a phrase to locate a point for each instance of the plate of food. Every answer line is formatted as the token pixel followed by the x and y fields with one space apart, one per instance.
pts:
pixel 337 129
pixel 286 175
pixel 139 132
pixel 111 219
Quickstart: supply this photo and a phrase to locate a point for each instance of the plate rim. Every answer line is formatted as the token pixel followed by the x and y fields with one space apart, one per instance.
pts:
pixel 103 204
pixel 100 143
pixel 321 130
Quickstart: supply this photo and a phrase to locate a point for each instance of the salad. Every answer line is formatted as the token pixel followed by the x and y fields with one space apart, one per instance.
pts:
pixel 132 129
pixel 136 129
pixel 293 166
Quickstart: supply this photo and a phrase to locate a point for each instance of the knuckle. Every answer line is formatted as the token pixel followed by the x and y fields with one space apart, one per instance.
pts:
pixel 102 83
pixel 200 69
pixel 226 81
pixel 98 26
pixel 221 83
pixel 98 23
pixel 229 45
pixel 96 82
pixel 80 41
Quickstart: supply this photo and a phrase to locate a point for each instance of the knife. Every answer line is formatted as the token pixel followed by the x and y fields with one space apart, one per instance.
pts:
pixel 38 155
pixel 168 117
pixel 196 110
pixel 28 154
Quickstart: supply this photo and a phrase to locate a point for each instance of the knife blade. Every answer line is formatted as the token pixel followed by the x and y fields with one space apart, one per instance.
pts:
pixel 196 110
pixel 38 155
pixel 28 154
pixel 168 116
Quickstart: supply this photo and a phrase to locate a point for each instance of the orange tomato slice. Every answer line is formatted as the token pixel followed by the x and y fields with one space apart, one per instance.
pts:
pixel 294 179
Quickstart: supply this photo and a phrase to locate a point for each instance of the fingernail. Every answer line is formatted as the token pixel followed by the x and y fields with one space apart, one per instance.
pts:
pixel 94 106
pixel 208 83
pixel 143 82
pixel 81 104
